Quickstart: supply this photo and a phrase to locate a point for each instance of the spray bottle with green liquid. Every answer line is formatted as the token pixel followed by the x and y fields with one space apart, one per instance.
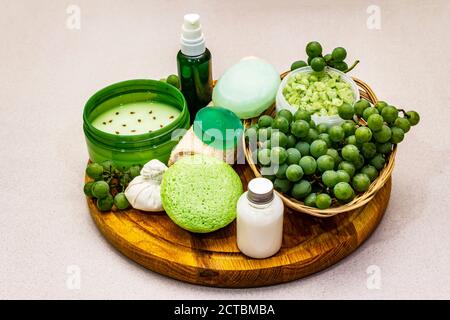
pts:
pixel 194 65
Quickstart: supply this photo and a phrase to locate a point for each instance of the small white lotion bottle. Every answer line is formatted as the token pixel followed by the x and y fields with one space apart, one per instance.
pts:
pixel 259 221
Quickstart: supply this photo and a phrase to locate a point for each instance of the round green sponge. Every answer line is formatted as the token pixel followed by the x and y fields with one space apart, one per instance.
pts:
pixel 199 193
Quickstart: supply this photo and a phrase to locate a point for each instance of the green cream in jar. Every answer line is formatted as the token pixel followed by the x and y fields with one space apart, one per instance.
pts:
pixel 136 118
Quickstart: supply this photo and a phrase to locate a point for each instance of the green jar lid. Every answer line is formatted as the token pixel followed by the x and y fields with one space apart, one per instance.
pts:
pixel 218 127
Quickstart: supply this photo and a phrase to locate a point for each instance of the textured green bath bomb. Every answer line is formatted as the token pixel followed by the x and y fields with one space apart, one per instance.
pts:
pixel 200 193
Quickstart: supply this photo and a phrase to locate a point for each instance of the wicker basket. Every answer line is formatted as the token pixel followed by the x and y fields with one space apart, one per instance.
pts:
pixel 360 200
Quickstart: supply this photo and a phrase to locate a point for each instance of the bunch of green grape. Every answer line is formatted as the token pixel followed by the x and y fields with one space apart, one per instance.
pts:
pixel 321 165
pixel 108 184
pixel 317 61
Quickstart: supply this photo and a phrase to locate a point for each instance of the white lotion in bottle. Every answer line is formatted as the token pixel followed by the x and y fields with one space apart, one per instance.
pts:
pixel 259 221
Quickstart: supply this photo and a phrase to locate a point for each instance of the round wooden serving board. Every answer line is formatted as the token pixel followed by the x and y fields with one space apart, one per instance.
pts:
pixel 309 244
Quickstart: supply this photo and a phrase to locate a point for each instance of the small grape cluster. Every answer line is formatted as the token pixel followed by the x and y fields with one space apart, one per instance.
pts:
pixel 109 184
pixel 316 163
pixel 317 61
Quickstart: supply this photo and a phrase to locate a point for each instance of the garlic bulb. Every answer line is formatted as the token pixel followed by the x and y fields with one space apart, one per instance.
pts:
pixel 143 192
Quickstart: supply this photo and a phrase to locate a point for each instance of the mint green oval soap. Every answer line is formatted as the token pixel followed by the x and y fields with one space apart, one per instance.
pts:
pixel 248 88
pixel 200 193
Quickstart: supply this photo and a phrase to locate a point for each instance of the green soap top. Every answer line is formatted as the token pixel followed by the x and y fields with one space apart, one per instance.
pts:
pixel 200 193
pixel 218 127
pixel 248 88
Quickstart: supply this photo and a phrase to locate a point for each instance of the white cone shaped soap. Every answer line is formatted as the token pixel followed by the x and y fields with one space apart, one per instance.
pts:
pixel 248 88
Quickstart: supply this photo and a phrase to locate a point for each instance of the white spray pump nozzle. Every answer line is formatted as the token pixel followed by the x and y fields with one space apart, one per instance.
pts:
pixel 192 40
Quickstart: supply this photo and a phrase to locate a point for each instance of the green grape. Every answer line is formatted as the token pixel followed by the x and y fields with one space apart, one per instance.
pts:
pixel 384 148
pixel 291 141
pixel 323 201
pixel 325 163
pixel 360 106
pixel 294 173
pixel 300 128
pixel 350 153
pixel 343 176
pixel 134 171
pixel 346 111
pixel 280 171
pixel 312 124
pixel 318 148
pixel 266 144
pixel 264 157
pixel 339 54
pixel 105 203
pixel 100 189
pixel 303 147
pixel 330 178
pixel 302 115
pixel 281 123
pixel 341 66
pixel 87 189
pixel 310 200
pixel 107 165
pixel 413 117
pixel 336 133
pixel 265 121
pixel 278 155
pixel 349 128
pixel 361 182
pixel 318 64
pixel 368 112
pixel 312 135
pixel 363 134
pixel 308 164
pixel 359 163
pixel 328 57
pixel 335 155
pixel 301 189
pixel 389 114
pixel 173 80
pixel 125 179
pixel 121 201
pixel 325 137
pixel 380 105
pixel 351 140
pixel 322 128
pixel 94 170
pixel 397 135
pixel 343 191
pixel 347 167
pixel 285 113
pixel 383 135
pixel 368 150
pixel 370 171
pixel 313 49
pixel 298 64
pixel 375 122
pixel 282 185
pixel 278 139
pixel 378 161
pixel 251 134
pixel 265 133
pixel 294 156
pixel 403 124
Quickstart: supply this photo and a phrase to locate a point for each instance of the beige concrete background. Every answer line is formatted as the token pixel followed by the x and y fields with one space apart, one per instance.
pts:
pixel 48 72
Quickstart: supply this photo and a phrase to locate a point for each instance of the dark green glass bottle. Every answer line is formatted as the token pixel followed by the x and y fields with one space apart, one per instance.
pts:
pixel 194 65
pixel 195 75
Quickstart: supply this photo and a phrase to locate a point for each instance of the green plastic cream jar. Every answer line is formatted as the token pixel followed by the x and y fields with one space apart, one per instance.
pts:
pixel 132 122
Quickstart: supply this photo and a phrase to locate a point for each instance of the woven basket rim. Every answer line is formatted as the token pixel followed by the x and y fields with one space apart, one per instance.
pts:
pixel 361 199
